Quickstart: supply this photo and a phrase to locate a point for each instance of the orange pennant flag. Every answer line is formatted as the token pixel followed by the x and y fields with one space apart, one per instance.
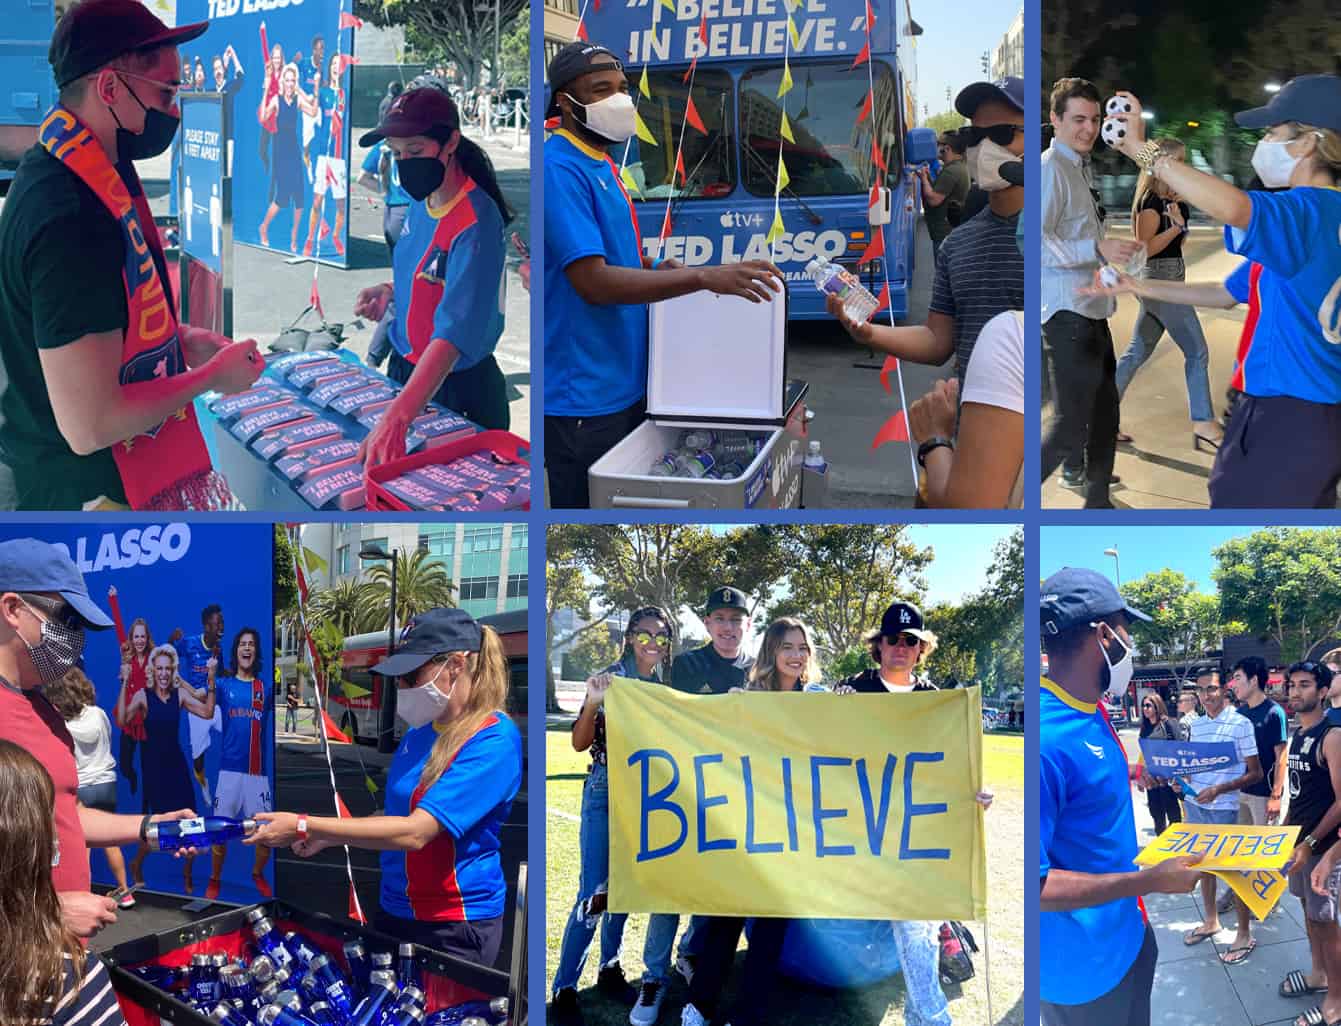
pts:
pixel 691 115
pixel 348 20
pixel 895 430
pixel 866 108
pixel 874 198
pixel 690 73
pixel 314 298
pixel 884 305
pixel 878 156
pixel 864 56
pixel 333 732
pixel 876 249
pixel 870 16
pixel 891 364
pixel 703 30
pixel 666 226
pixel 679 166
pixel 582 31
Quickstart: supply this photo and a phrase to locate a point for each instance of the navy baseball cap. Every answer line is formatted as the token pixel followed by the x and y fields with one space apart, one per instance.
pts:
pixel 727 598
pixel 94 33
pixel 1309 99
pixel 415 112
pixel 1074 596
pixel 903 618
pixel 27 564
pixel 431 633
pixel 1009 90
pixel 571 63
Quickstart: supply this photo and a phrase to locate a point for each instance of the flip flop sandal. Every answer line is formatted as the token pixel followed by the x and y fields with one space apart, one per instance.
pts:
pixel 1295 985
pixel 1313 1017
pixel 1196 937
pixel 1247 949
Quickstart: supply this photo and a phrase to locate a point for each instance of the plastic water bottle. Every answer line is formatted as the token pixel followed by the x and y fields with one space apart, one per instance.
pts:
pixel 407 972
pixel 727 471
pixel 736 446
pixel 268 939
pixel 695 464
pixel 814 478
pixel 335 988
pixel 857 301
pixel 201 832
pixel 359 966
pixel 665 465
pixel 698 438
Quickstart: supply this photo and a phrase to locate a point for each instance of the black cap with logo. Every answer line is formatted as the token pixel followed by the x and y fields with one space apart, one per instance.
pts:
pixel 903 618
pixel 431 633
pixel 571 63
pixel 94 33
pixel 727 598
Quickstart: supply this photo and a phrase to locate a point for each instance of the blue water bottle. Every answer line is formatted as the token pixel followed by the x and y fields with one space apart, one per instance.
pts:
pixel 202 990
pixel 302 951
pixel 359 966
pixel 407 972
pixel 405 1015
pixel 201 832
pixel 236 983
pixel 281 1015
pixel 164 977
pixel 333 985
pixel 268 938
pixel 226 1014
pixel 263 969
pixel 411 995
pixel 381 993
pixel 309 989
pixel 320 1013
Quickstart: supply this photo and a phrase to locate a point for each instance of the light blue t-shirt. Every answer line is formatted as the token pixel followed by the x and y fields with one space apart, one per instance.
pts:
pixel 1292 344
pixel 395 195
pixel 1086 825
pixel 595 354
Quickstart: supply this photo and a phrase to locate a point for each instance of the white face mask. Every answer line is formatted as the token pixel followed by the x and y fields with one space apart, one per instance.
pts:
pixel 1119 673
pixel 986 159
pixel 425 703
pixel 1274 164
pixel 611 118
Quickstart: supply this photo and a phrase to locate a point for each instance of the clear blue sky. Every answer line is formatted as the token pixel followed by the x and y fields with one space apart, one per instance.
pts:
pixel 955 33
pixel 1140 549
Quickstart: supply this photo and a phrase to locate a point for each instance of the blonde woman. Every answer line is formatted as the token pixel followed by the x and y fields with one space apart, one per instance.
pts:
pixel 1159 220
pixel 48 976
pixel 1283 444
pixel 448 791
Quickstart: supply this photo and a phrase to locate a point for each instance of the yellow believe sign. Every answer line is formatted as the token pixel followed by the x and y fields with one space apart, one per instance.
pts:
pixel 798 804
pixel 1228 846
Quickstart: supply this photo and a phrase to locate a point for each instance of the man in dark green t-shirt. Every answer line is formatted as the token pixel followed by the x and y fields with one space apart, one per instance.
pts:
pixel 63 301
pixel 945 196
pixel 720 665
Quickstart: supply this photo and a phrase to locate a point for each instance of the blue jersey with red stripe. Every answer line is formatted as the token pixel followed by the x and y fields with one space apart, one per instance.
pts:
pixel 193 660
pixel 458 875
pixel 448 270
pixel 248 710
pixel 1291 342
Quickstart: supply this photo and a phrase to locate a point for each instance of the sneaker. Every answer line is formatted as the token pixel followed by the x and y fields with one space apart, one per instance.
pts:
pixel 684 965
pixel 564 1010
pixel 1070 480
pixel 691 1016
pixel 126 901
pixel 647 1009
pixel 610 981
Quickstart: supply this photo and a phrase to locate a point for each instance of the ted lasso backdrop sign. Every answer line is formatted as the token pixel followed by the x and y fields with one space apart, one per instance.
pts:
pixel 806 804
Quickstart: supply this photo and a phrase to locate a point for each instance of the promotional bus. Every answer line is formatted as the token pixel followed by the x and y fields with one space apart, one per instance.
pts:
pixel 358 717
pixel 722 206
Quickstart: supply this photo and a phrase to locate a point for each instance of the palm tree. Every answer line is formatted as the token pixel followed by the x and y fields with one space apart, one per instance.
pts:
pixel 421 583
pixel 345 605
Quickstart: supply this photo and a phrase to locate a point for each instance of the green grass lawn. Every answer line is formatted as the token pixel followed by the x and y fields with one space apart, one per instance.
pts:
pixel 878 1005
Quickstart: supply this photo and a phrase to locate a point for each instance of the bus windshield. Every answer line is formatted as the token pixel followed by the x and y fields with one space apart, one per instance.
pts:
pixel 708 167
pixel 832 152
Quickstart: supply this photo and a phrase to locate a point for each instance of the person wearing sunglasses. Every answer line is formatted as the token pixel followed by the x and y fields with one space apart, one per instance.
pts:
pixel 944 194
pixel 896 649
pixel 648 640
pixel 1158 724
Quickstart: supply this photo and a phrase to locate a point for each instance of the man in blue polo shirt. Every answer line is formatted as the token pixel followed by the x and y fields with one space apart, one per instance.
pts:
pixel 1096 951
pixel 597 281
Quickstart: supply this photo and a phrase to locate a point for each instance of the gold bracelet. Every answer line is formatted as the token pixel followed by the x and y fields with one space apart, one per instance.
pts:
pixel 1146 155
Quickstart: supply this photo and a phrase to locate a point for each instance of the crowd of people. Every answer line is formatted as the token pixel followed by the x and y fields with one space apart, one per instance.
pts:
pixel 788 660
pixel 1089 839
pixel 1286 379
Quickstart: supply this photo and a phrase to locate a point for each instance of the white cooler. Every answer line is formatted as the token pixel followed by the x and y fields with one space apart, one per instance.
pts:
pixel 714 362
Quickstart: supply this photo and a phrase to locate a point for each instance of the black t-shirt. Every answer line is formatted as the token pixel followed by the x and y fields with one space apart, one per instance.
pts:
pixel 1157 204
pixel 61 260
pixel 704 672
pixel 868 682
pixel 1311 792
pixel 1269 727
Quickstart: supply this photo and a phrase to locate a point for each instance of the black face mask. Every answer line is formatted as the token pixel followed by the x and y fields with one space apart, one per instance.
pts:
pixel 159 129
pixel 419 176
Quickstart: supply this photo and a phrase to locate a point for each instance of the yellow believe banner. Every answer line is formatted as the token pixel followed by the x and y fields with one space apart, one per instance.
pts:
pixel 1227 846
pixel 799 804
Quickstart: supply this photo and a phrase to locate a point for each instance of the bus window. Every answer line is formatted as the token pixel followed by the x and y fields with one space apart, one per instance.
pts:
pixel 707 158
pixel 832 153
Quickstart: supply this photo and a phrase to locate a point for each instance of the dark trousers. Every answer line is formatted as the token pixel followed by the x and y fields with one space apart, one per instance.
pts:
pixel 573 444
pixel 1164 807
pixel 476 941
pixel 1278 453
pixel 1083 432
pixel 479 393
pixel 126 761
pixel 713 968
pixel 1127 1004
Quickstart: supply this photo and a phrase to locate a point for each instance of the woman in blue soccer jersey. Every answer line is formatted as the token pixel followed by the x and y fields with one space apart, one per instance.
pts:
pixel 448 791
pixel 448 271
pixel 247 707
pixel 648 641
pixel 1283 443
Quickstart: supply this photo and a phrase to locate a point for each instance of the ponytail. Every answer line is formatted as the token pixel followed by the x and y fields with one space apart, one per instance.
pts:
pixel 488 670
pixel 477 166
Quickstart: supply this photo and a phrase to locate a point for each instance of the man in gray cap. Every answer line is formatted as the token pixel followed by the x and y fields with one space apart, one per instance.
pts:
pixel 44 611
pixel 720 665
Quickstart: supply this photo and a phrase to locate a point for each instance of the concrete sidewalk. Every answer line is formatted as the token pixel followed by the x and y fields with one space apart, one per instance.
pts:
pixel 1192 986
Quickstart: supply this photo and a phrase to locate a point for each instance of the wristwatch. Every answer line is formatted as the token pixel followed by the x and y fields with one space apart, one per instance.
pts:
pixel 1312 842
pixel 301 828
pixel 935 442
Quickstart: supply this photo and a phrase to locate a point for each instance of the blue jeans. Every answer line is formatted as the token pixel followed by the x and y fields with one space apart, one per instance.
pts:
pixel 1183 325
pixel 920 961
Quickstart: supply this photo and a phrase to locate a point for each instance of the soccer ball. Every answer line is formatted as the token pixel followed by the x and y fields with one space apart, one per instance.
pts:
pixel 1113 132
pixel 1118 105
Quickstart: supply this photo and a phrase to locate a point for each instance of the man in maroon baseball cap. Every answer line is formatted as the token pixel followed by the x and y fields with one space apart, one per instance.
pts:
pixel 96 378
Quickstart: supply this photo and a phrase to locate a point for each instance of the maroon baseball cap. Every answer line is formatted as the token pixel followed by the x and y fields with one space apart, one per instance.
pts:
pixel 94 33
pixel 415 112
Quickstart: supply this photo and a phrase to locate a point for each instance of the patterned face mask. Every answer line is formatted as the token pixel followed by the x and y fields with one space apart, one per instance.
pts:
pixel 58 650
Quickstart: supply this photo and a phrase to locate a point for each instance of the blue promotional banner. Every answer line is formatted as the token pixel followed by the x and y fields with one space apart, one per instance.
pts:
pixel 203 151
pixel 283 68
pixel 1172 758
pixel 181 595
